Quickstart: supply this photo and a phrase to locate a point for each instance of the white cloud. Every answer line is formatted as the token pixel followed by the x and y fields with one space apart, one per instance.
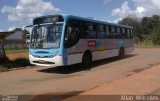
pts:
pixel 11 28
pixel 123 11
pixel 26 10
pixel 117 20
pixel 106 1
pixel 1 30
pixel 143 8
pixel 150 7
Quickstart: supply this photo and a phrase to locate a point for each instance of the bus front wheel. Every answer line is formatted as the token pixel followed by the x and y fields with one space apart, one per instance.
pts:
pixel 87 59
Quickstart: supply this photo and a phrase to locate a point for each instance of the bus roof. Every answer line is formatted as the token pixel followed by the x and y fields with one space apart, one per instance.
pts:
pixel 67 16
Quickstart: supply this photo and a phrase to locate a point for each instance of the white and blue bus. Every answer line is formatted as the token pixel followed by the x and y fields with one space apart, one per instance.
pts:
pixel 59 40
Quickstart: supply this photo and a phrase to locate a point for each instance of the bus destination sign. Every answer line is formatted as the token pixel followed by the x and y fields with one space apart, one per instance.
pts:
pixel 49 19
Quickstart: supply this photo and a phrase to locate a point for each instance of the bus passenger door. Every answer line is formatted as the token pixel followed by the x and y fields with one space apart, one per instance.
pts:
pixel 72 36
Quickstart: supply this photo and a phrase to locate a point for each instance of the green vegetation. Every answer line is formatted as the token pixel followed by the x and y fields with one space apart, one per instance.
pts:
pixel 8 51
pixel 21 62
pixel 146 44
pixel 146 30
pixel 18 63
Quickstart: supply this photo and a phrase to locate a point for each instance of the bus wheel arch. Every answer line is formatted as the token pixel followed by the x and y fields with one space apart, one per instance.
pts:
pixel 121 52
pixel 87 58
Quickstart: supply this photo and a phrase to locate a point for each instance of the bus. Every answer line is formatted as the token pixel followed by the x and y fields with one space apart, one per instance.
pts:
pixel 60 40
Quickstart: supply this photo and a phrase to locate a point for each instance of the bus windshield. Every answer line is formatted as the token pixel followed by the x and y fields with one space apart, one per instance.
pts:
pixel 46 36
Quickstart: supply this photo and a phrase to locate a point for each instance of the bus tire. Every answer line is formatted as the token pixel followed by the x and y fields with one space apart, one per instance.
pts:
pixel 87 59
pixel 121 53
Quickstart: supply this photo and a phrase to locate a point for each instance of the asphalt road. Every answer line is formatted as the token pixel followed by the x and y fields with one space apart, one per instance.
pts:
pixel 76 79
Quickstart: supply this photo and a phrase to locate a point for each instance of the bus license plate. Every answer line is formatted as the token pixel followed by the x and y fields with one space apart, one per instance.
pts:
pixel 41 61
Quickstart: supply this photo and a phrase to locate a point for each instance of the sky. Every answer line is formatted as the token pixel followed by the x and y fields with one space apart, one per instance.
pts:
pixel 19 13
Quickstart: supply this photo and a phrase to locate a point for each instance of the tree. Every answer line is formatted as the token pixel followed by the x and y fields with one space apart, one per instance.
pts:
pixel 147 28
pixel 156 37
pixel 136 23
pixel 18 29
pixel 150 24
pixel 151 28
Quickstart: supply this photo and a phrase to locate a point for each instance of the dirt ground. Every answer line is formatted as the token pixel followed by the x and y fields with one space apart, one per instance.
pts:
pixel 77 79
pixel 14 56
pixel 144 85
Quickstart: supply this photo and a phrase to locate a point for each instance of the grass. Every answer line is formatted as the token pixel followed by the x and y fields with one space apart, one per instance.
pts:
pixel 146 44
pixel 9 51
pixel 141 45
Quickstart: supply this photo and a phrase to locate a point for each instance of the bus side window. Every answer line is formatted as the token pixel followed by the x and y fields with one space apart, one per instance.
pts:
pixel 118 32
pixel 82 29
pixel 131 30
pixel 101 32
pixel 123 33
pixel 72 34
pixel 90 31
pixel 113 32
pixel 107 32
pixel 128 33
pixel 110 32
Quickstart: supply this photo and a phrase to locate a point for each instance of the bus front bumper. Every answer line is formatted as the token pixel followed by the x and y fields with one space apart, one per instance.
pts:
pixel 54 62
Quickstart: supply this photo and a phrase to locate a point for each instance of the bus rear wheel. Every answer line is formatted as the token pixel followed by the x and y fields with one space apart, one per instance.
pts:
pixel 121 53
pixel 87 59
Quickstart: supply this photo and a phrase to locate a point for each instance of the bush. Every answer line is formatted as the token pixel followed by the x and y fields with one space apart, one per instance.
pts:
pixel 156 37
pixel 21 62
pixel 18 63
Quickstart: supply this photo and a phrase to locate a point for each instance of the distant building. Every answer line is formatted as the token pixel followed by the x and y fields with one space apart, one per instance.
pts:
pixel 16 40
pixel 3 35
pixel 15 36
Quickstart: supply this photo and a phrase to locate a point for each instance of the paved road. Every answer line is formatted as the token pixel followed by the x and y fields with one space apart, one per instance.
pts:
pixel 76 79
